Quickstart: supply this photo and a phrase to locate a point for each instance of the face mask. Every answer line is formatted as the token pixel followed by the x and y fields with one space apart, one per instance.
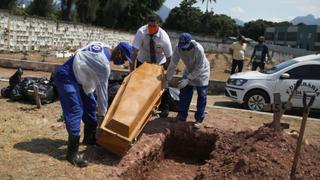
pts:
pixel 260 42
pixel 152 29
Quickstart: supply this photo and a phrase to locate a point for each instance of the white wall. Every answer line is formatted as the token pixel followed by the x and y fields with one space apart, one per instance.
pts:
pixel 19 33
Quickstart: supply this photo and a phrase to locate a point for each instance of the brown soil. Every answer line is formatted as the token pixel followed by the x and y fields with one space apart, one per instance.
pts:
pixel 220 63
pixel 184 151
pixel 210 153
pixel 33 56
pixel 259 154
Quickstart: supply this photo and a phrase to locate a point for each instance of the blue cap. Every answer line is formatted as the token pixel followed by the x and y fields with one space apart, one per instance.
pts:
pixel 184 40
pixel 127 49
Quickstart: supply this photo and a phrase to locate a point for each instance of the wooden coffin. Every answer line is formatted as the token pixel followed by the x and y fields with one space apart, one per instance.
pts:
pixel 132 107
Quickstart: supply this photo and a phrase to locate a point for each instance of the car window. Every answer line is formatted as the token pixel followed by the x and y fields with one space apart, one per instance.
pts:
pixel 279 67
pixel 305 72
pixel 315 72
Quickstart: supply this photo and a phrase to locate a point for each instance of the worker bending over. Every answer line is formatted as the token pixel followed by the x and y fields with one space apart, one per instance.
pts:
pixel 76 80
pixel 196 76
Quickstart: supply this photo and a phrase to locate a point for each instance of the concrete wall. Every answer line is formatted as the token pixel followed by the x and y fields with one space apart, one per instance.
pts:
pixel 26 34
pixel 19 33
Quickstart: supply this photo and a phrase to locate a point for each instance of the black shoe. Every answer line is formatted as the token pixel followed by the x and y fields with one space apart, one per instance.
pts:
pixel 164 113
pixel 72 154
pixel 89 134
pixel 179 118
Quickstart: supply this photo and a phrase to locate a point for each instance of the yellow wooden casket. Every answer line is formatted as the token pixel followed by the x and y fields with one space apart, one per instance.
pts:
pixel 131 108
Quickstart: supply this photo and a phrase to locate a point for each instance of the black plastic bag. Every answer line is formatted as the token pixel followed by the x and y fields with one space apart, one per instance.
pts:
pixel 172 99
pixel 21 88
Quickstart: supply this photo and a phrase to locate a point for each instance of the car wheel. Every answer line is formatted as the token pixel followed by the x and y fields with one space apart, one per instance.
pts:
pixel 255 100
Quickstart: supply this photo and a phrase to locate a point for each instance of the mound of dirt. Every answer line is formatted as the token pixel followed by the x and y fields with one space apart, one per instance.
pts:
pixel 181 152
pixel 257 155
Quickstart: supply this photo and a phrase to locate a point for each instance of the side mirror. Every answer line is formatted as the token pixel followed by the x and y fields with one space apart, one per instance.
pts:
pixel 285 76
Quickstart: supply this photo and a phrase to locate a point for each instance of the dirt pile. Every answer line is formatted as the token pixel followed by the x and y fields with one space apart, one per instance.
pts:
pixel 180 152
pixel 257 155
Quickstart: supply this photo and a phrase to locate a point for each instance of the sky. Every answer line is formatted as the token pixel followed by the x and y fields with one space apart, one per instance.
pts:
pixel 247 10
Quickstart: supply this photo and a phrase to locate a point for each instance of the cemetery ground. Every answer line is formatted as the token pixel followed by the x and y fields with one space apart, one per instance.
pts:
pixel 220 63
pixel 231 144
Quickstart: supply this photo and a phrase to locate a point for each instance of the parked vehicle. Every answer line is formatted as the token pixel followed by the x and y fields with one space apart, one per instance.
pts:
pixel 254 89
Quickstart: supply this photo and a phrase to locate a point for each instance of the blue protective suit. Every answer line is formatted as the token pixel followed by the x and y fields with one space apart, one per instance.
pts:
pixel 77 79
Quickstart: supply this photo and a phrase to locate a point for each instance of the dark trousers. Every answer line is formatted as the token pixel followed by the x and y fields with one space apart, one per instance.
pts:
pixel 236 64
pixel 165 98
pixel 255 65
pixel 185 97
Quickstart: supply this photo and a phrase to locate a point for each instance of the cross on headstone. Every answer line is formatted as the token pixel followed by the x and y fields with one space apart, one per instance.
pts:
pixel 278 107
pixel 63 54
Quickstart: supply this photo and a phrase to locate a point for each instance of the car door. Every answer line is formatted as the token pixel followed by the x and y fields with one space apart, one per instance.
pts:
pixel 315 80
pixel 311 83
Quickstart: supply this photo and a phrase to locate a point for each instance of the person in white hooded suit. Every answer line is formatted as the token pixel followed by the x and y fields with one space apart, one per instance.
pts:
pixel 196 76
pixel 76 80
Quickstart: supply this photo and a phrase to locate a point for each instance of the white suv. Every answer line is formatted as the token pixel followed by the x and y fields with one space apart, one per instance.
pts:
pixel 254 89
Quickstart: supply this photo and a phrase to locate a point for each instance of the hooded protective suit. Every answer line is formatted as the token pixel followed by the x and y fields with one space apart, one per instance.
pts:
pixel 76 80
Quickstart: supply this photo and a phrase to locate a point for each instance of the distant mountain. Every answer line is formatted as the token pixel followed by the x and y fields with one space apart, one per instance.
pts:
pixel 163 12
pixel 239 22
pixel 308 20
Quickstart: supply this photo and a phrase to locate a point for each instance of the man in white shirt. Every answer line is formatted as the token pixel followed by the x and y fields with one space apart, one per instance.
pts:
pixel 237 50
pixel 76 80
pixel 196 76
pixel 152 44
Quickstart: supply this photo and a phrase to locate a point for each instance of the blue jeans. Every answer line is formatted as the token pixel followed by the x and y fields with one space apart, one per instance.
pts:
pixel 185 96
pixel 76 105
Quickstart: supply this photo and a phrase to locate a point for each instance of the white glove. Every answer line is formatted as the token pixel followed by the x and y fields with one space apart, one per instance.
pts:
pixel 183 83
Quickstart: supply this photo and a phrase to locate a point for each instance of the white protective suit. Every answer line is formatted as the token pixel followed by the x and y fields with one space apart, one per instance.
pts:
pixel 197 68
pixel 91 68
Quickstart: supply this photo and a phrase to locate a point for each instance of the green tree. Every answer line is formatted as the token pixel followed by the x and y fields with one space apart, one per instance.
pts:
pixel 44 8
pixel 185 17
pixel 225 26
pixel 192 19
pixel 136 12
pixel 66 6
pixel 208 1
pixel 283 23
pixel 8 4
pixel 87 10
pixel 254 29
pixel 109 12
